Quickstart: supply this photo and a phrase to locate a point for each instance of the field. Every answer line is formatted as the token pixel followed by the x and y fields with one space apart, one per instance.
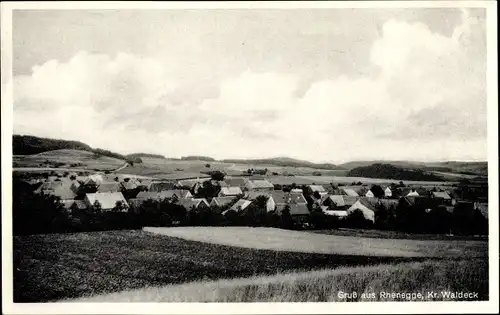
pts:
pixel 85 160
pixel 179 169
pixel 369 283
pixel 396 235
pixel 296 241
pixel 56 266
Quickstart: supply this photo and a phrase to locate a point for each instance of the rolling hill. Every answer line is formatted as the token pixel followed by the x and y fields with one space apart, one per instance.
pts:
pixel 472 168
pixel 145 155
pixel 379 170
pixel 284 161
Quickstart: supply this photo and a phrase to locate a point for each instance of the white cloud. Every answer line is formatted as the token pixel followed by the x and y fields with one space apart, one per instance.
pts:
pixel 427 100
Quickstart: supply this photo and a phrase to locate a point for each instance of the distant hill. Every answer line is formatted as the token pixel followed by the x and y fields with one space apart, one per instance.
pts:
pixel 473 168
pixel 285 161
pixel 197 158
pixel 146 155
pixel 28 145
pixel 389 171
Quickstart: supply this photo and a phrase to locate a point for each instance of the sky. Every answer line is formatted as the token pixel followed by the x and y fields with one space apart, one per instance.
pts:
pixel 324 85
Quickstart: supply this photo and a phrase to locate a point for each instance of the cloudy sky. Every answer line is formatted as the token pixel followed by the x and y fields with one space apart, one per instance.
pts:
pixel 324 85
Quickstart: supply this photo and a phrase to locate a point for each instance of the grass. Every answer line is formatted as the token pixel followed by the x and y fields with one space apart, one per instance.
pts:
pixel 369 283
pixel 58 266
pixel 395 235
pixel 85 160
pixel 286 240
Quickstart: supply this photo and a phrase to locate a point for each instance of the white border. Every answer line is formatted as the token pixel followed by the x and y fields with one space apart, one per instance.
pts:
pixel 491 306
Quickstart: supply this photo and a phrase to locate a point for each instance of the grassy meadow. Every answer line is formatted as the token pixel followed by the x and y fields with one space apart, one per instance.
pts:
pixel 84 160
pixel 57 266
pixel 368 282
pixel 53 267
pixel 298 241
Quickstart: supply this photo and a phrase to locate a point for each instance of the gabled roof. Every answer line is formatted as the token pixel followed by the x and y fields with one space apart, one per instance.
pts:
pixel 365 207
pixel 318 188
pixel 230 191
pixel 441 194
pixel 96 178
pixel 109 187
pixel 235 181
pixel 338 200
pixel 350 200
pixel 350 192
pixel 222 201
pixel 180 193
pixel 252 195
pixel 161 186
pixel 259 183
pixel 129 185
pixel 241 204
pixel 58 189
pixel 107 200
pixel 192 203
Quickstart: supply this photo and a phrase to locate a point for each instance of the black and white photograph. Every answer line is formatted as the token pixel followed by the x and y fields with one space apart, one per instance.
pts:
pixel 249 152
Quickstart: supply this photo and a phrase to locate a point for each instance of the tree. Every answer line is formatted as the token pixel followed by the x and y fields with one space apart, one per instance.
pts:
pixel 207 190
pixel 261 201
pixel 377 191
pixel 207 165
pixel 356 219
pixel 317 195
pixel 286 220
pixel 217 175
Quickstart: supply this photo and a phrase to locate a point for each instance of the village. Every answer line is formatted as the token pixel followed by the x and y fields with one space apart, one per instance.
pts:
pixel 233 195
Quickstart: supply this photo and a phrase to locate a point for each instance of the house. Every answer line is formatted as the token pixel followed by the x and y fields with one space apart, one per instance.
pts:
pixel 109 187
pixel 388 192
pixel 129 185
pixel 350 200
pixel 442 195
pixel 259 185
pixel 365 207
pixel 75 186
pixel 297 190
pixel 161 186
pixel 350 192
pixel 369 194
pixel 334 202
pixel 194 203
pixel 170 194
pixel 239 206
pixel 298 212
pixel 235 182
pixel 95 178
pixel 107 200
pixel 68 204
pixel 221 201
pixel 317 188
pixel 277 198
pixel 412 193
pixel 58 188
pixel 230 191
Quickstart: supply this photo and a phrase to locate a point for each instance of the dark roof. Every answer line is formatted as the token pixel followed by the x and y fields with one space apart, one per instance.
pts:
pixel 161 186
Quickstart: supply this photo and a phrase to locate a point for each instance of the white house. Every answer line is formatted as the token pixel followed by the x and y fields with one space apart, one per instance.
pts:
pixel 230 191
pixel 388 192
pixel 369 194
pixel 368 211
